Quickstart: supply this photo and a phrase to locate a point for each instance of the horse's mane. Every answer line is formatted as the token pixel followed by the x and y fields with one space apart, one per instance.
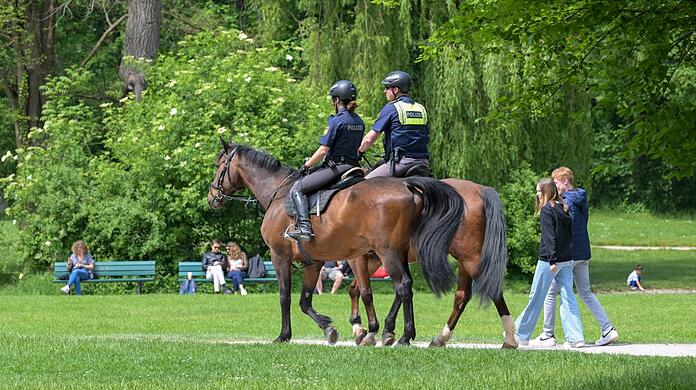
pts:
pixel 262 159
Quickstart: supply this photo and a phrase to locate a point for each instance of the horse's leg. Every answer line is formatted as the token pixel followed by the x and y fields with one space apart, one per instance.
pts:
pixel 388 335
pixel 508 323
pixel 461 298
pixel 282 267
pixel 363 277
pixel 363 267
pixel 397 267
pixel 355 321
pixel 354 292
pixel 311 274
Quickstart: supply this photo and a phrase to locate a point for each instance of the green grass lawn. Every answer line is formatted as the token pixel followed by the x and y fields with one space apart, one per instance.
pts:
pixel 166 341
pixel 664 269
pixel 611 228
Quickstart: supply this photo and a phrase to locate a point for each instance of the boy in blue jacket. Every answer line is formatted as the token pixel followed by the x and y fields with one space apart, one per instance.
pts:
pixel 576 199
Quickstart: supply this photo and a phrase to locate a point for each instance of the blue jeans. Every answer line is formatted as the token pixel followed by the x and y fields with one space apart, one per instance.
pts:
pixel 581 276
pixel 237 278
pixel 570 315
pixel 76 276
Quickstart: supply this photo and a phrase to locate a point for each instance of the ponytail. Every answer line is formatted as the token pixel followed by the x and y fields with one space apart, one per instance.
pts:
pixel 351 106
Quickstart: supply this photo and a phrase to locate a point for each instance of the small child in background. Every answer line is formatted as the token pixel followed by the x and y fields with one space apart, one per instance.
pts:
pixel 633 280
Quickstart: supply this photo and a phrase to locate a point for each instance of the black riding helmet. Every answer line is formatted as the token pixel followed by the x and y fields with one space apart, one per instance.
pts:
pixel 344 90
pixel 399 79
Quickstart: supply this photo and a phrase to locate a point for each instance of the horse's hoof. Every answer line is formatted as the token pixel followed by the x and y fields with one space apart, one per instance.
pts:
pixel 331 335
pixel 403 342
pixel 360 336
pixel 368 341
pixel 388 339
pixel 437 342
pixel 509 346
pixel 279 340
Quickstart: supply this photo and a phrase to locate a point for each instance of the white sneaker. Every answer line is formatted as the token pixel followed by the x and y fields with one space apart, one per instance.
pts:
pixel 608 337
pixel 65 289
pixel 543 341
pixel 574 344
pixel 520 342
pixel 242 290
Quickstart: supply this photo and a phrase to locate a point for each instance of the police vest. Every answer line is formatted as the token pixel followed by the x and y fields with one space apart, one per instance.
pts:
pixel 411 114
pixel 411 137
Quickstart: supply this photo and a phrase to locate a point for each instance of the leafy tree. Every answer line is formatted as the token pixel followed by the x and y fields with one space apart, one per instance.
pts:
pixel 132 179
pixel 629 56
pixel 27 55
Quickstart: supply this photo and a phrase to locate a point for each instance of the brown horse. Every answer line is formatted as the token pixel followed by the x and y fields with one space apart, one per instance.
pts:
pixel 479 246
pixel 386 216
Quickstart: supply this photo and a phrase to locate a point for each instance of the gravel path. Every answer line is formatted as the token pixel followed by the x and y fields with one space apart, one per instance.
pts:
pixel 645 248
pixel 668 350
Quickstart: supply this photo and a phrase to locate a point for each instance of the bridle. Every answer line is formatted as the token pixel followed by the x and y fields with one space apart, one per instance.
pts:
pixel 220 196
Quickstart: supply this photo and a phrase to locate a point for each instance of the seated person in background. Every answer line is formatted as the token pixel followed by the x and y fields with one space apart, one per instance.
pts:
pixel 380 273
pixel 330 270
pixel 345 269
pixel 633 280
pixel 213 263
pixel 237 265
pixel 80 267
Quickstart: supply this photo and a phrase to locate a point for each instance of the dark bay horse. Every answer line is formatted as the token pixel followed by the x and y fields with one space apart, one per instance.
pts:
pixel 384 216
pixel 480 247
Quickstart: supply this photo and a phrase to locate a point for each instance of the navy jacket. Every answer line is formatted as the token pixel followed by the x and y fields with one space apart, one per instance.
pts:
pixel 343 137
pixel 576 199
pixel 556 233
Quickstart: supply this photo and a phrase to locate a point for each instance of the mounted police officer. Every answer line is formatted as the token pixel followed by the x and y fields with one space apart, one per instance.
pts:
pixel 405 126
pixel 338 148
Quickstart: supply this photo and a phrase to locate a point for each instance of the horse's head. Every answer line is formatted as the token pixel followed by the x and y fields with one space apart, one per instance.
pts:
pixel 226 180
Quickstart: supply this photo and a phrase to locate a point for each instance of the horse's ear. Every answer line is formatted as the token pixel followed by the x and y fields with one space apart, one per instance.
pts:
pixel 224 144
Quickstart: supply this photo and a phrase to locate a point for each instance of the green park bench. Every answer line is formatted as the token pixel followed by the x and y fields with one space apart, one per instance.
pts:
pixel 114 272
pixel 194 267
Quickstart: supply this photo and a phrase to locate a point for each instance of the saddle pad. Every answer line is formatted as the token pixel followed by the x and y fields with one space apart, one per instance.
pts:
pixel 319 200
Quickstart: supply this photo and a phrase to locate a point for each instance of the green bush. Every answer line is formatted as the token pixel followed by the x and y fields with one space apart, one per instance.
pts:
pixel 132 179
pixel 523 232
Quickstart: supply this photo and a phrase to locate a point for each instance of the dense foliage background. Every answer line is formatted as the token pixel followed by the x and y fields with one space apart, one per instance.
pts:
pixel 578 83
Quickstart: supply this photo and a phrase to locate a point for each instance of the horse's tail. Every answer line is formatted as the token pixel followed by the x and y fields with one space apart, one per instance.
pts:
pixel 442 212
pixel 494 256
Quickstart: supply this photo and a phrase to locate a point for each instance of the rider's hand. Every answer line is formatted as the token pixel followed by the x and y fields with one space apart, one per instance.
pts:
pixel 304 169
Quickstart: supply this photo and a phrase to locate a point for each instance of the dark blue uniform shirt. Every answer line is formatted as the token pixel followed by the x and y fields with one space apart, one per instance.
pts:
pixel 343 137
pixel 411 140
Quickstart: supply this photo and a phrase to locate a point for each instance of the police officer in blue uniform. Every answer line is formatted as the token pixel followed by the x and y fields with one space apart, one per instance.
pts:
pixel 405 126
pixel 338 148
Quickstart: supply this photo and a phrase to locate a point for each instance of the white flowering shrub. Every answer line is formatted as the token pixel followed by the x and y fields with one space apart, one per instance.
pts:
pixel 132 178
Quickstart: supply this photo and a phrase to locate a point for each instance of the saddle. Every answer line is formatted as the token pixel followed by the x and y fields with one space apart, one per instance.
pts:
pixel 318 200
pixel 419 169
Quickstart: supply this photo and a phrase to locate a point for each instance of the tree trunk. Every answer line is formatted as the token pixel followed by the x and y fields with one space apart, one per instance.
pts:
pixel 31 37
pixel 141 43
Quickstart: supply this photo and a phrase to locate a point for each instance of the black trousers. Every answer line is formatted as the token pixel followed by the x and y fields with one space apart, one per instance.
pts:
pixel 320 178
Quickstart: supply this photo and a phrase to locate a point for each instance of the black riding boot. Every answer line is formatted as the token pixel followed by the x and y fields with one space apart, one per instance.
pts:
pixel 303 230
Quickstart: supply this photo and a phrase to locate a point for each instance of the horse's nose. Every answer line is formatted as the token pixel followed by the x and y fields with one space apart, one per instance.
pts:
pixel 213 202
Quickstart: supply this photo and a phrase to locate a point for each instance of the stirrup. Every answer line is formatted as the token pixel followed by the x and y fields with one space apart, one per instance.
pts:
pixel 297 234
pixel 300 235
